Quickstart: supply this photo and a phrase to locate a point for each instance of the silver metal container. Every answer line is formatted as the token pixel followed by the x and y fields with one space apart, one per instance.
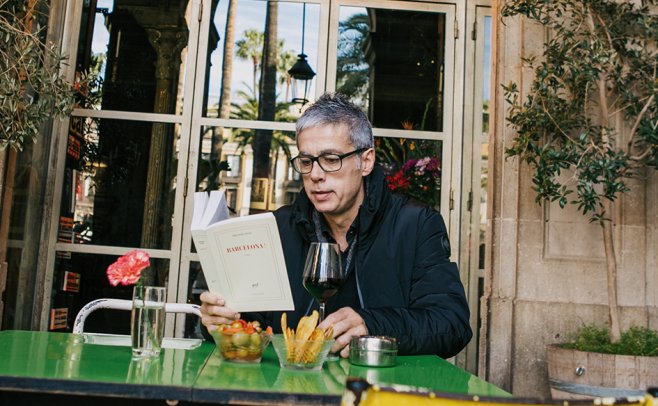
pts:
pixel 373 351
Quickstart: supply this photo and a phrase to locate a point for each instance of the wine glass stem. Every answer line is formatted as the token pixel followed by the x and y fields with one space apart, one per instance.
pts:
pixel 321 311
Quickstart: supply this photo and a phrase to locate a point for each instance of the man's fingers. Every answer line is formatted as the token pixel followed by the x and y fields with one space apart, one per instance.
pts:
pixel 330 320
pixel 342 320
pixel 221 311
pixel 212 321
pixel 209 324
pixel 346 324
pixel 214 311
pixel 343 340
pixel 345 352
pixel 211 298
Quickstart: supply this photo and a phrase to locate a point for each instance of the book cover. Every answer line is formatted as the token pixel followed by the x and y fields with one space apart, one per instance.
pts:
pixel 241 258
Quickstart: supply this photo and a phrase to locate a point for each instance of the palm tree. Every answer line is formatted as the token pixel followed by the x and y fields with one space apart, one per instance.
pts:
pixel 352 67
pixel 285 61
pixel 248 110
pixel 267 103
pixel 227 61
pixel 250 47
pixel 225 93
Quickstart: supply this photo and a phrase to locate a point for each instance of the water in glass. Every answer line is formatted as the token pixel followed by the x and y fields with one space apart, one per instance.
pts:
pixel 147 321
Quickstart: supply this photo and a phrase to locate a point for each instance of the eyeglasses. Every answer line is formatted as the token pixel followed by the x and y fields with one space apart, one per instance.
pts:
pixel 327 162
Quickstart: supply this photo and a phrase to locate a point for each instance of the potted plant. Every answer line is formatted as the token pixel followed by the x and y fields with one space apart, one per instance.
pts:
pixel 590 118
pixel 32 90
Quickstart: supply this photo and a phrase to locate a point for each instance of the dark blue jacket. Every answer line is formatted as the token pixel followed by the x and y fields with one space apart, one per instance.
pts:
pixel 408 288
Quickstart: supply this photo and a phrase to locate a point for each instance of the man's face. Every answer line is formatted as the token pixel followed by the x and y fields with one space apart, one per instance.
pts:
pixel 334 193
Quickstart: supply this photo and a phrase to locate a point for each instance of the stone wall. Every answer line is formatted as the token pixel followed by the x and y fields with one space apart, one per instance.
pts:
pixel 545 266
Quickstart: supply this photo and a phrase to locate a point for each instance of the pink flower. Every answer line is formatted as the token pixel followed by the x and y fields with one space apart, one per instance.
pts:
pixel 419 178
pixel 432 165
pixel 128 268
pixel 409 164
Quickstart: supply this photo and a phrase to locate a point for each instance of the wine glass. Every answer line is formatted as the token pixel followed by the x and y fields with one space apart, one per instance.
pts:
pixel 323 272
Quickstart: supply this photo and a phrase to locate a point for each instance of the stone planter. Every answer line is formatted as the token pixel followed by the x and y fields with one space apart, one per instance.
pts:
pixel 577 374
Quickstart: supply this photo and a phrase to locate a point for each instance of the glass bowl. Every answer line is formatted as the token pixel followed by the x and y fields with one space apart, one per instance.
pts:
pixel 241 347
pixel 308 355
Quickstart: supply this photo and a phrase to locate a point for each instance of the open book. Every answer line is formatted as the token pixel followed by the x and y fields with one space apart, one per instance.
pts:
pixel 241 257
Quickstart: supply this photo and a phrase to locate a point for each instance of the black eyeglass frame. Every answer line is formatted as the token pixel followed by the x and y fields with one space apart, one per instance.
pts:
pixel 317 159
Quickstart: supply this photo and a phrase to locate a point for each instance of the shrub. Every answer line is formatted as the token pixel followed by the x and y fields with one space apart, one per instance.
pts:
pixel 636 341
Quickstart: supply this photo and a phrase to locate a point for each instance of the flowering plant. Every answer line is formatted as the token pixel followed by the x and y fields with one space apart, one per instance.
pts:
pixel 127 270
pixel 419 178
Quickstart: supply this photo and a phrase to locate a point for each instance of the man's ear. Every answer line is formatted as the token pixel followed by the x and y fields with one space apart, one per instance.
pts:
pixel 367 161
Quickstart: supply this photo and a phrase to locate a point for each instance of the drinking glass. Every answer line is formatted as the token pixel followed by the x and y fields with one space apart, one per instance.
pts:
pixel 323 272
pixel 147 321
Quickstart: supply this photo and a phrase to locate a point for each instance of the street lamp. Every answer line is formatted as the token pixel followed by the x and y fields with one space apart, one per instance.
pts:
pixel 301 72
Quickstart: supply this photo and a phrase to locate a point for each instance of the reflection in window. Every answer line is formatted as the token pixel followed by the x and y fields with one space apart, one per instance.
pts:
pixel 231 198
pixel 196 285
pixel 235 169
pixel 391 63
pixel 413 167
pixel 233 162
pixel 119 169
pixel 133 55
pixel 240 75
pixel 79 278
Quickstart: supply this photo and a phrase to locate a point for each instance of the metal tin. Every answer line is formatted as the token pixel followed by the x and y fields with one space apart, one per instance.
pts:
pixel 373 351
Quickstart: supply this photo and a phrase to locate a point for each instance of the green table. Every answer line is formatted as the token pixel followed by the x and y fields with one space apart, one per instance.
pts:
pixel 63 363
pixel 60 363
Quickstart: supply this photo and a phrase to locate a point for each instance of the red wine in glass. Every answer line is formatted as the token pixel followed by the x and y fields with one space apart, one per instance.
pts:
pixel 322 289
pixel 323 273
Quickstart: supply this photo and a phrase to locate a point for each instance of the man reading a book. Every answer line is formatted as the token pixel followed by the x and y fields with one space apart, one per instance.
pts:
pixel 395 252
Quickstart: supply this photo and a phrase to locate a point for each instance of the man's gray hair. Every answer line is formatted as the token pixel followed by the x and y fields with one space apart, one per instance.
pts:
pixel 336 109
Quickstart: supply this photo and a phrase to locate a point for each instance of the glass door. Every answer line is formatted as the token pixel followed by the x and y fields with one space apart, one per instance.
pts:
pixel 242 130
pixel 123 158
pixel 396 60
pixel 185 96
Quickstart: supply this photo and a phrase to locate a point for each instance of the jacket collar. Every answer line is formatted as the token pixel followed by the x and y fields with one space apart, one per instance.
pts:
pixel 376 199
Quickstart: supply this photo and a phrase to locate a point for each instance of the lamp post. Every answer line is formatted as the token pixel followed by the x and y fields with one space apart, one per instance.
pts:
pixel 301 72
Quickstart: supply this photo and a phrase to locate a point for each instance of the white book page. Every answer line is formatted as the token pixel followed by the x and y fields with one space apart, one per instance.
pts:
pixel 216 209
pixel 252 273
pixel 200 203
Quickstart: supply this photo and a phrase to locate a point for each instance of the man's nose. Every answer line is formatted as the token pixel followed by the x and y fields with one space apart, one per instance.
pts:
pixel 316 172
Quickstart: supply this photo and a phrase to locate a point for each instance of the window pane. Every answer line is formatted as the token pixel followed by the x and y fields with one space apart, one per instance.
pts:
pixel 195 286
pixel 80 278
pixel 25 226
pixel 413 167
pixel 134 54
pixel 391 63
pixel 233 166
pixel 119 184
pixel 238 77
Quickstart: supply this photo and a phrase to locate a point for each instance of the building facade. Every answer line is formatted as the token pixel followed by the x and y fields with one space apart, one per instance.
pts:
pixel 546 273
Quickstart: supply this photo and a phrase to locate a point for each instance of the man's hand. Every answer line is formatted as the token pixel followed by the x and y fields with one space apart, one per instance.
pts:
pixel 347 324
pixel 214 311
